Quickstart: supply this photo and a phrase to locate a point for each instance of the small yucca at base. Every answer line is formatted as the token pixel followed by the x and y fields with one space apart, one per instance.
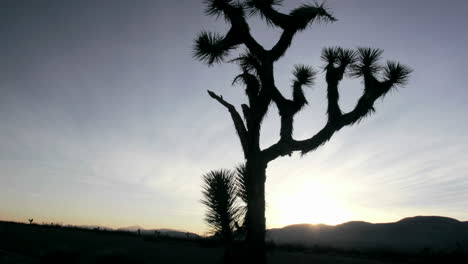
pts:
pixel 219 196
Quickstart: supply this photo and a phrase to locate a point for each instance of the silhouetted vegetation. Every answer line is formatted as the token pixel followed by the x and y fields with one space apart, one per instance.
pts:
pixel 256 74
pixel 219 196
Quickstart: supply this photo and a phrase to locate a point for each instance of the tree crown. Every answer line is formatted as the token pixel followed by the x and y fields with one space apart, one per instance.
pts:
pixel 256 65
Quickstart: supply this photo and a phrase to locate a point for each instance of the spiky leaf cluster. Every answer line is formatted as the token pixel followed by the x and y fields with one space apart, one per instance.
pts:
pixel 308 13
pixel 219 8
pixel 262 4
pixel 397 74
pixel 258 7
pixel 210 48
pixel 337 61
pixel 304 75
pixel 247 79
pixel 216 7
pixel 337 56
pixel 247 62
pixel 330 55
pixel 346 57
pixel 219 196
pixel 367 62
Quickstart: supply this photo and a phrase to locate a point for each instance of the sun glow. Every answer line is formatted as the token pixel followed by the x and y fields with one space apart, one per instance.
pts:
pixel 314 203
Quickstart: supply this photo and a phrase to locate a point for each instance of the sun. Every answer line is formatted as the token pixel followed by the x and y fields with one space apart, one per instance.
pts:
pixel 314 203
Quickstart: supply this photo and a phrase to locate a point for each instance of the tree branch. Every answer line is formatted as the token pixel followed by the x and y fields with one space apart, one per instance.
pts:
pixel 283 44
pixel 308 13
pixel 337 60
pixel 304 76
pixel 277 18
pixel 396 75
pixel 266 11
pixel 252 86
pixel 296 21
pixel 257 65
pixel 239 32
pixel 236 118
pixel 286 146
pixel 236 17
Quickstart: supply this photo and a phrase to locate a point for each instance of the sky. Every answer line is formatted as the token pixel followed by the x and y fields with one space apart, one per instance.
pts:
pixel 105 119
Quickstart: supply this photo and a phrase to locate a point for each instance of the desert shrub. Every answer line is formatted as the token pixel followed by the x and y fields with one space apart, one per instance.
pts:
pixel 219 196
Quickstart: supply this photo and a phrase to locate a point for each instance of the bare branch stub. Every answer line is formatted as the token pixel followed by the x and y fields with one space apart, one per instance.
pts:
pixel 236 118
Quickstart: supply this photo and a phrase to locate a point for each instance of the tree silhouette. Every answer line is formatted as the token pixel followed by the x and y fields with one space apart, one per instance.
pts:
pixel 219 195
pixel 256 64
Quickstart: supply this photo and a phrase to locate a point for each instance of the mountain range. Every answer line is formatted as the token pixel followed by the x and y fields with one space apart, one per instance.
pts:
pixel 411 234
pixel 408 235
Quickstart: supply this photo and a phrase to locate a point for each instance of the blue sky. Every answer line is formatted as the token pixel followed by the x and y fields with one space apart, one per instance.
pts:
pixel 105 117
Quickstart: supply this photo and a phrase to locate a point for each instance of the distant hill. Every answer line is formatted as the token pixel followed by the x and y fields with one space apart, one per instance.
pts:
pixel 409 234
pixel 93 227
pixel 160 232
pixel 130 228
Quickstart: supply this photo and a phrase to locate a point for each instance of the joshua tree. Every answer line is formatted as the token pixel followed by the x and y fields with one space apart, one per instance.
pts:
pixel 30 221
pixel 219 195
pixel 256 75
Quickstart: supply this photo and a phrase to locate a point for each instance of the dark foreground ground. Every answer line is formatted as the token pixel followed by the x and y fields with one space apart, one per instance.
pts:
pixel 21 243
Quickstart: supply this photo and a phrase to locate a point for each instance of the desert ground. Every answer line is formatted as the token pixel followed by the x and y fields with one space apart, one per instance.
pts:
pixel 24 243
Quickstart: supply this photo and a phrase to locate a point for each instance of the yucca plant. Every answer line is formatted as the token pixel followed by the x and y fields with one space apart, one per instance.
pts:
pixel 257 76
pixel 219 196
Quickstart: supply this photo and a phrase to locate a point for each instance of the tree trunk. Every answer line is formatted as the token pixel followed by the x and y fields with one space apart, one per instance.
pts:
pixel 256 170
